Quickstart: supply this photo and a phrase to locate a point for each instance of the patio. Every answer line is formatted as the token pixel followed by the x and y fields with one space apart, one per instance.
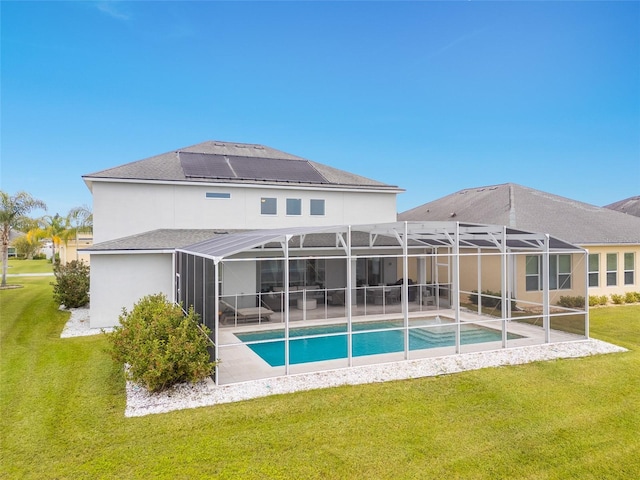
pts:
pixel 401 273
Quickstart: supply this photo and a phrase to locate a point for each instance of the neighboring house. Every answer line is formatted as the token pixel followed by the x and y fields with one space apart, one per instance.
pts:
pixel 629 205
pixel 216 187
pixel 612 238
pixel 75 248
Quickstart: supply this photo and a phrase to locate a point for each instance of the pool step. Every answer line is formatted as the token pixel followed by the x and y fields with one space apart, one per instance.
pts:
pixel 447 335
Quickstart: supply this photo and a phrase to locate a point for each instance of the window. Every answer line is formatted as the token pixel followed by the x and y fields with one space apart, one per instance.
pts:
pixel 594 269
pixel 532 272
pixel 612 269
pixel 294 206
pixel 268 206
pixel 218 195
pixel 316 207
pixel 559 272
pixel 629 268
pixel 308 273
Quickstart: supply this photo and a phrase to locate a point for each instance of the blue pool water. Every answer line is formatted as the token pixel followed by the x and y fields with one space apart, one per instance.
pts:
pixel 329 342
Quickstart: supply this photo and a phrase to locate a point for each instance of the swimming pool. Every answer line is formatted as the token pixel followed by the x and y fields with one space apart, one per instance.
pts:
pixel 329 342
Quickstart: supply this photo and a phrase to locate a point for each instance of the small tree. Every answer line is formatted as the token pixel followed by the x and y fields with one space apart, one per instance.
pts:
pixel 72 284
pixel 161 345
pixel 27 246
pixel 13 211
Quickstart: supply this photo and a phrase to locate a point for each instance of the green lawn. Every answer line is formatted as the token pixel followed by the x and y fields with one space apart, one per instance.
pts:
pixel 28 266
pixel 62 404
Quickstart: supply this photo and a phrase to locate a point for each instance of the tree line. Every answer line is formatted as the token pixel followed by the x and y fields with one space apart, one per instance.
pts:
pixel 14 216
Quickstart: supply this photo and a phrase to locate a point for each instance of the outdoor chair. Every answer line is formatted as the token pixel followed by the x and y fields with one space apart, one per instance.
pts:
pixel 243 315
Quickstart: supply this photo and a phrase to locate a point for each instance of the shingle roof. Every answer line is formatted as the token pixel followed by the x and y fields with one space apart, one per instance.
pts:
pixel 161 239
pixel 169 167
pixel 533 210
pixel 629 205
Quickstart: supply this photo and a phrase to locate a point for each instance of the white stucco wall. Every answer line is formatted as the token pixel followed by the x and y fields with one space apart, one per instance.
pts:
pixel 121 280
pixel 122 209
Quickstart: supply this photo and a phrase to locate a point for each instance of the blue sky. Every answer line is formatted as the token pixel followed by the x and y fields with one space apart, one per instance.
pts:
pixel 431 96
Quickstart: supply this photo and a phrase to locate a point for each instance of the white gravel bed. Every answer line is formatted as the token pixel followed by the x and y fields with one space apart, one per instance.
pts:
pixel 78 324
pixel 140 402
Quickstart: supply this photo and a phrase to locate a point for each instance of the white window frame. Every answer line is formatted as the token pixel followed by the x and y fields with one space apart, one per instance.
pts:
pixel 629 270
pixel 594 274
pixel 558 280
pixel 290 203
pixel 218 195
pixel 612 274
pixel 317 202
pixel 264 201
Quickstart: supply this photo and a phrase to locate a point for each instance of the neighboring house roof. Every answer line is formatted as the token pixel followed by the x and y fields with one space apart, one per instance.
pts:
pixel 533 210
pixel 236 163
pixel 629 205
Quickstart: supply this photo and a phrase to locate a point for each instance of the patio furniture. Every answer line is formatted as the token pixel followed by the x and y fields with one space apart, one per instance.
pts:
pixel 308 304
pixel 243 315
pixel 336 297
pixel 272 301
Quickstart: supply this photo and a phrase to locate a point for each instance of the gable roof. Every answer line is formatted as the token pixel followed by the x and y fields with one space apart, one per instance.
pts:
pixel 629 205
pixel 237 163
pixel 533 210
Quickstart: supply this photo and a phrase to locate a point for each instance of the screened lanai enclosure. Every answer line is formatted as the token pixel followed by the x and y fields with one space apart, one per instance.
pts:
pixel 296 300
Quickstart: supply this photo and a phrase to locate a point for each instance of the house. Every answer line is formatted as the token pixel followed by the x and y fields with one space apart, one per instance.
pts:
pixel 612 238
pixel 629 205
pixel 75 248
pixel 296 266
pixel 145 209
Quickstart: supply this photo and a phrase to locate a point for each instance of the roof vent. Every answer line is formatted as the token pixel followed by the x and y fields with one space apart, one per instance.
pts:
pixel 453 214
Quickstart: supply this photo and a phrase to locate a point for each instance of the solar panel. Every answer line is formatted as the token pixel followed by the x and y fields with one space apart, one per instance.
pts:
pixel 205 165
pixel 276 169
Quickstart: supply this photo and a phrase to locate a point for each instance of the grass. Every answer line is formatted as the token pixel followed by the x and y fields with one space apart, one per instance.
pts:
pixel 28 266
pixel 63 400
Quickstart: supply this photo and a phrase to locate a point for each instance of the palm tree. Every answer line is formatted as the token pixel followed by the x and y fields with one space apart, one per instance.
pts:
pixel 81 221
pixel 13 211
pixel 56 229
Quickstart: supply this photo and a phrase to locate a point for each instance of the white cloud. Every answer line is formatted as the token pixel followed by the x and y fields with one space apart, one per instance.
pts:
pixel 113 9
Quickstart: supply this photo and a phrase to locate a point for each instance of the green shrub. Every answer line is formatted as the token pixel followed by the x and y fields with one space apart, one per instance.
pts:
pixel 603 299
pixel 160 345
pixel 72 284
pixel 632 297
pixel 617 299
pixel 572 302
pixel 488 299
pixel 594 300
